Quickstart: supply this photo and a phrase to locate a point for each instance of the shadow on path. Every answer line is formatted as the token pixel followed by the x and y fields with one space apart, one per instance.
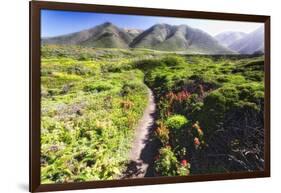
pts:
pixel 150 151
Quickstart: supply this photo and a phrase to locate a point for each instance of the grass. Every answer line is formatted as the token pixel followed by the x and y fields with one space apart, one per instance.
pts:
pixel 92 100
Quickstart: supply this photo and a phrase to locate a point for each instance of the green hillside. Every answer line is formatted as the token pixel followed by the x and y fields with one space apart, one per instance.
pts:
pixel 158 37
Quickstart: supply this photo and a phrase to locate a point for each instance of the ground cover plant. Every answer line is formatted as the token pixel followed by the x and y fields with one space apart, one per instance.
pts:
pixel 89 110
pixel 209 111
pixel 208 119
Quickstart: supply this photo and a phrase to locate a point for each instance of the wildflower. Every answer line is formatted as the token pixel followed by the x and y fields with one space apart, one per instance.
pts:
pixel 184 162
pixel 196 141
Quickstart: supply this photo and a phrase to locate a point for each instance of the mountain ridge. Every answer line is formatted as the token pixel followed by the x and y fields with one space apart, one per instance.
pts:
pixel 164 37
pixel 229 37
pixel 250 44
pixel 105 35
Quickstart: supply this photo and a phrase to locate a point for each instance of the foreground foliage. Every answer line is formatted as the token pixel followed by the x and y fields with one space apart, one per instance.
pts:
pixel 209 111
pixel 89 111
pixel 210 108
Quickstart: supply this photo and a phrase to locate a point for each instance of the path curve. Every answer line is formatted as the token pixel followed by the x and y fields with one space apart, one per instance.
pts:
pixel 138 163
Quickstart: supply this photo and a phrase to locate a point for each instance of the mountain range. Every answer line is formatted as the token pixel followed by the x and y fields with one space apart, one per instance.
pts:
pixel 163 37
pixel 229 37
pixel 251 43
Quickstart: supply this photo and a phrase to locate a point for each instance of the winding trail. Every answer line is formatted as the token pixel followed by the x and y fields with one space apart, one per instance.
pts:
pixel 144 146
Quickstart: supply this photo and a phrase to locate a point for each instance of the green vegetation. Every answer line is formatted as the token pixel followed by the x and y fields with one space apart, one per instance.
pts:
pixel 89 111
pixel 92 100
pixel 176 122
pixel 217 93
pixel 168 165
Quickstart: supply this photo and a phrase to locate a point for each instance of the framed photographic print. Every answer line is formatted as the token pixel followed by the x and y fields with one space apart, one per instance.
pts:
pixel 123 96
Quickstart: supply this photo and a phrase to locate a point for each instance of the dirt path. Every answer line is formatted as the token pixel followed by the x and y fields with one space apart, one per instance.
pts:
pixel 144 147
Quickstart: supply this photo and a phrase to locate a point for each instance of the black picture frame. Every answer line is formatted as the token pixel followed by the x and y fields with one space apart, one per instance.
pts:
pixel 34 114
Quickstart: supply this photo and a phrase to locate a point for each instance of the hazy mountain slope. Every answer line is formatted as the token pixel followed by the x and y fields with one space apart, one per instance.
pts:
pixel 159 37
pixel 251 43
pixel 178 38
pixel 105 35
pixel 133 32
pixel 228 38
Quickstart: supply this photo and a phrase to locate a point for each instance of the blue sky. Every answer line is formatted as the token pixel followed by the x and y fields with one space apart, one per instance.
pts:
pixel 54 22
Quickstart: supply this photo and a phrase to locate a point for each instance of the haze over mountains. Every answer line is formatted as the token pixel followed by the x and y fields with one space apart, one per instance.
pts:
pixel 251 43
pixel 229 37
pixel 163 37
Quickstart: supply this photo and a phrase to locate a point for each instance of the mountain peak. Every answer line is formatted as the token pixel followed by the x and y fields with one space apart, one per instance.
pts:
pixel 107 24
pixel 161 25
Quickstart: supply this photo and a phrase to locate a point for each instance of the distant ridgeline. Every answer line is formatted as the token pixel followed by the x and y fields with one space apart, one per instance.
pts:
pixel 166 38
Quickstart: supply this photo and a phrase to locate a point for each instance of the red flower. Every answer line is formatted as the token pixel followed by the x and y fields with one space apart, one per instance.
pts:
pixel 184 162
pixel 196 141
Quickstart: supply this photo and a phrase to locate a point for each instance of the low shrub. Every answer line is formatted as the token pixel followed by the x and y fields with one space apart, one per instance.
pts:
pixel 78 70
pixel 129 88
pixel 213 111
pixel 162 133
pixel 99 87
pixel 231 95
pixel 173 60
pixel 176 125
pixel 167 164
pixel 176 122
pixel 148 64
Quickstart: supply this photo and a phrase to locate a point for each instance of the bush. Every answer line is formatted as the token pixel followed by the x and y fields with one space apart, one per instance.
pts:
pixel 212 113
pixel 129 88
pixel 215 100
pixel 83 57
pixel 97 87
pixel 167 163
pixel 148 64
pixel 176 122
pixel 78 70
pixel 161 84
pixel 222 79
pixel 254 75
pixel 248 93
pixel 231 95
pixel 162 133
pixel 173 60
